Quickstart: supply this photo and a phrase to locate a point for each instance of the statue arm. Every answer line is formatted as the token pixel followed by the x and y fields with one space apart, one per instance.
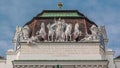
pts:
pixel 53 24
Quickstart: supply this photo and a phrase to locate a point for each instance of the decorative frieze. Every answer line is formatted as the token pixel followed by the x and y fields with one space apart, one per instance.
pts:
pixel 62 66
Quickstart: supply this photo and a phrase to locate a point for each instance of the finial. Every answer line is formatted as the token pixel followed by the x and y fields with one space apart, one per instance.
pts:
pixel 60 4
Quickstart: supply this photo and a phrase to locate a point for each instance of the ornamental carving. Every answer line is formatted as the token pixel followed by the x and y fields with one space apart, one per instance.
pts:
pixel 58 30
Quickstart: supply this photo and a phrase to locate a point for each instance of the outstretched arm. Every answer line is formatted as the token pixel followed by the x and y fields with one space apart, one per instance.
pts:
pixel 53 24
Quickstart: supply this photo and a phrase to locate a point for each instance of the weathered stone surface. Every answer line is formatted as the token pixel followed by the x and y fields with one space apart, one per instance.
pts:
pixel 61 51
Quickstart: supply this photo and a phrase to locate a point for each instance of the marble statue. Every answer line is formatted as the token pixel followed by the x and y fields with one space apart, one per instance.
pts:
pixel 51 32
pixel 17 33
pixel 93 35
pixel 33 39
pixel 25 31
pixel 87 37
pixel 76 31
pixel 42 32
pixel 59 30
pixel 68 32
pixel 17 37
pixel 94 31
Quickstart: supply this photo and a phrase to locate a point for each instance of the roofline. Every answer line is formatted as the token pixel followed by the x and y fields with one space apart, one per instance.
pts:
pixel 83 16
pixel 55 60
pixel 61 17
pixel 118 57
pixel 91 21
pixel 60 11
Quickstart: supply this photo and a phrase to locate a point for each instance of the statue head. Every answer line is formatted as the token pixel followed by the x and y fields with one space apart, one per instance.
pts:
pixel 63 21
pixel 93 28
pixel 42 25
pixel 59 19
pixel 76 25
pixel 17 28
pixel 48 26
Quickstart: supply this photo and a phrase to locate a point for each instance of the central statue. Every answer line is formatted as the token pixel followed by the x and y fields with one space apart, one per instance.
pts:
pixel 60 26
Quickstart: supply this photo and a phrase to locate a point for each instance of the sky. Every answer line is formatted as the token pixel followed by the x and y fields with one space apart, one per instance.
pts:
pixel 18 12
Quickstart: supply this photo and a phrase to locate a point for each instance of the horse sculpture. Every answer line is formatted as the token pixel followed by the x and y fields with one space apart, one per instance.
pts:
pixel 26 31
pixel 76 31
pixel 94 31
pixel 93 36
pixel 68 32
pixel 50 32
pixel 42 32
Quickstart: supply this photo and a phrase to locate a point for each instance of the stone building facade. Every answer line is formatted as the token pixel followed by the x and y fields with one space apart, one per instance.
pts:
pixel 60 39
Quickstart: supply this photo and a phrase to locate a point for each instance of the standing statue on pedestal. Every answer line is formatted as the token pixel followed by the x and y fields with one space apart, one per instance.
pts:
pixel 17 37
pixel 16 33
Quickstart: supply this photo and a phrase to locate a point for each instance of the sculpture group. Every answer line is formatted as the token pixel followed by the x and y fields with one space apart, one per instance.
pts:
pixel 58 31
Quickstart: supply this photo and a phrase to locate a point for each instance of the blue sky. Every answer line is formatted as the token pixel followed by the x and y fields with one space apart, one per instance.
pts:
pixel 18 12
